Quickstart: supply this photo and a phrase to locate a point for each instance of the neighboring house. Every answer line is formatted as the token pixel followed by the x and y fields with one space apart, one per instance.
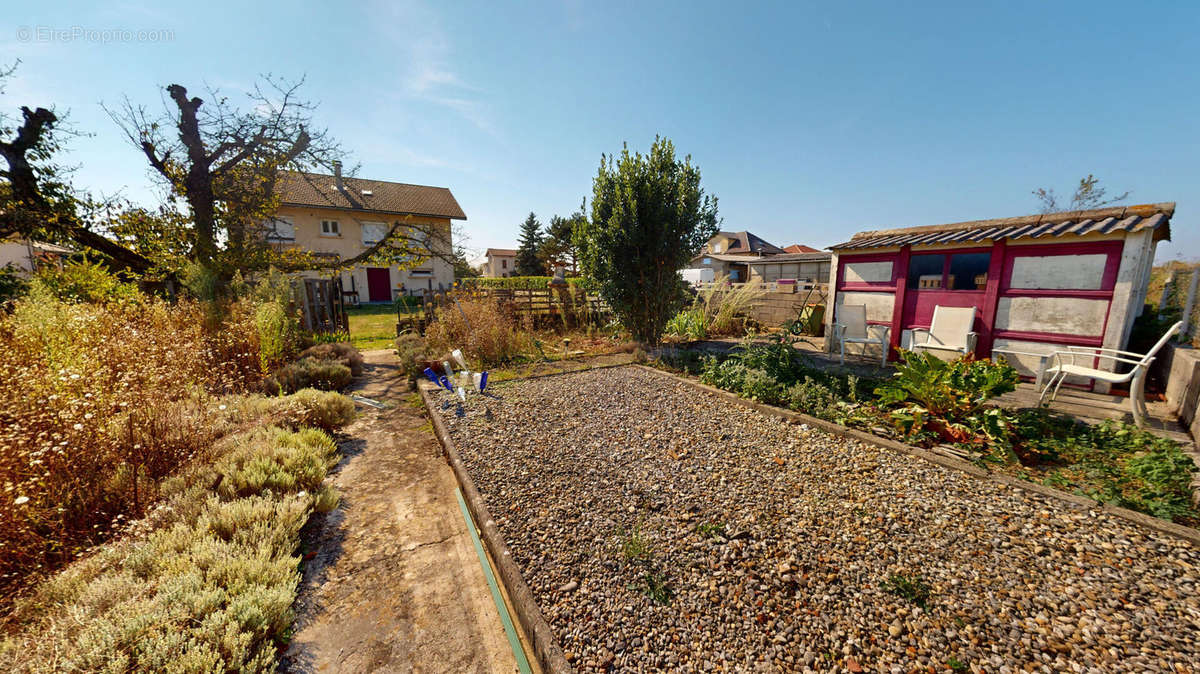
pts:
pixel 498 263
pixel 810 267
pixel 27 255
pixel 341 217
pixel 746 257
pixel 1039 283
pixel 798 248
pixel 731 252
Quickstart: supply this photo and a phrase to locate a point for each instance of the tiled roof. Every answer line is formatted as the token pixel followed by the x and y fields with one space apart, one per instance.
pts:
pixel 500 252
pixel 1097 221
pixel 359 194
pixel 800 248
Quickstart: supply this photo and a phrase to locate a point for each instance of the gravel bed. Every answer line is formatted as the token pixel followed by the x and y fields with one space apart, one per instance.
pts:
pixel 767 545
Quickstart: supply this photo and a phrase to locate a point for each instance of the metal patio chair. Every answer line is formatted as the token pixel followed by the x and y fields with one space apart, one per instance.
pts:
pixel 950 331
pixel 1136 377
pixel 852 327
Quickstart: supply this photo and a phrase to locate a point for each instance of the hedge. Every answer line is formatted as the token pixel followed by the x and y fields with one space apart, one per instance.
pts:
pixel 524 283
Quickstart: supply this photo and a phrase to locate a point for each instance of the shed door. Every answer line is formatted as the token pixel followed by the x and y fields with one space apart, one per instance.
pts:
pixel 379 284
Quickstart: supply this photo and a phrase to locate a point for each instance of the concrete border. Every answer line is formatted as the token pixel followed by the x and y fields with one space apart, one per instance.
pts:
pixel 1141 519
pixel 546 648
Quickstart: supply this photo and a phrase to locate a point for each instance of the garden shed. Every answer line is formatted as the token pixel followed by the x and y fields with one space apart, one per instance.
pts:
pixel 1038 283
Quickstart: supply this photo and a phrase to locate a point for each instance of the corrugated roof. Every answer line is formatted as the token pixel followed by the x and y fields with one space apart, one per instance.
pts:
pixel 359 194
pixel 1074 223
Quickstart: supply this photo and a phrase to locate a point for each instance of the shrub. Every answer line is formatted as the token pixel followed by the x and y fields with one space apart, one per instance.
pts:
pixel 812 398
pixel 97 405
pixel 341 352
pixel 689 323
pixel 12 284
pixel 209 589
pixel 85 281
pixel 318 409
pixel 481 329
pixel 947 397
pixel 411 351
pixel 326 375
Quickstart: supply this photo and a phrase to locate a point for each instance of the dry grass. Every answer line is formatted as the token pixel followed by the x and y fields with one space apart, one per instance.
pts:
pixel 482 329
pixel 98 404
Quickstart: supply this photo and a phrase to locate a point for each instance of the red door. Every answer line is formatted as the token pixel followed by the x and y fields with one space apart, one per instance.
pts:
pixel 379 284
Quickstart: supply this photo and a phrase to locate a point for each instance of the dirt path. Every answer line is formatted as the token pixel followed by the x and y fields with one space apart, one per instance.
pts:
pixel 394 583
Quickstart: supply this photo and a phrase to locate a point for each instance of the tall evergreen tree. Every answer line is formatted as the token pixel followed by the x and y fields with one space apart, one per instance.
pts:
pixel 528 263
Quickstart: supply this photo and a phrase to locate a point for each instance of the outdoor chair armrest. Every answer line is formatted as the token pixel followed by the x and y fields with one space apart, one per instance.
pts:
pixel 1103 350
pixel 1058 360
pixel 887 330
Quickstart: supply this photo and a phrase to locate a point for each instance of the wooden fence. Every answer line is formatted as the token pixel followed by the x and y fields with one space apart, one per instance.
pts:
pixel 320 304
pixel 571 306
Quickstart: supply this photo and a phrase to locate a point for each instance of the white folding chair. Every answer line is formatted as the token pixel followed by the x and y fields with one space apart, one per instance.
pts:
pixel 1136 376
pixel 950 331
pixel 852 327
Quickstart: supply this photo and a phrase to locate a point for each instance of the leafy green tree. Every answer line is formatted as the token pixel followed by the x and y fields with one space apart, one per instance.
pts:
pixel 559 245
pixel 527 262
pixel 462 266
pixel 649 217
pixel 1088 195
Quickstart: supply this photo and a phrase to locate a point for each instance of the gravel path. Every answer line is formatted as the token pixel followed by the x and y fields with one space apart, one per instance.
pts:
pixel 767 544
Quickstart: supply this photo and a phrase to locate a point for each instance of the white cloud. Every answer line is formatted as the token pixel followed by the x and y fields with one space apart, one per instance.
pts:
pixel 414 32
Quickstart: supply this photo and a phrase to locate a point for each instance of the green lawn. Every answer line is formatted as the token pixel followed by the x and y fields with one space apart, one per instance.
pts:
pixel 372 326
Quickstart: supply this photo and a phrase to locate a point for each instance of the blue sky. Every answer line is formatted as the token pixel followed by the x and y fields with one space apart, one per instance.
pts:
pixel 810 121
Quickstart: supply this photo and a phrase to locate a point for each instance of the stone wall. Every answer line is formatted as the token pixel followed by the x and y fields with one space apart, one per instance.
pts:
pixel 1180 366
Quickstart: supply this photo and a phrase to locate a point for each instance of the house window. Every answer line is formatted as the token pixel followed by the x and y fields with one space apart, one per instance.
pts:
pixel 707 260
pixel 968 271
pixel 330 228
pixel 504 264
pixel 716 248
pixel 925 271
pixel 373 232
pixel 280 229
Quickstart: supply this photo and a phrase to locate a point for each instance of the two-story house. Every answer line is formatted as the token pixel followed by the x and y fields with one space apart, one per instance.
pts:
pixel 498 263
pixel 338 216
pixel 731 252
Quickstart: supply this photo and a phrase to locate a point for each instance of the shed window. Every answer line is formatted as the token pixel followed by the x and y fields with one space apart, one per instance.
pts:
pixel 925 271
pixel 968 271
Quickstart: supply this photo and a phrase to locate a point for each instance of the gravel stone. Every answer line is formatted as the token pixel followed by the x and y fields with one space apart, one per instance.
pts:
pixel 768 542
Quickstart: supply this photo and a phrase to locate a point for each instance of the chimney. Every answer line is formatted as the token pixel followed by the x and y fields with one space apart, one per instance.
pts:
pixel 337 175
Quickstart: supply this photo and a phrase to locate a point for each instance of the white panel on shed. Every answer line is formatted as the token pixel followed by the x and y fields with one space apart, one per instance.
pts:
pixel 879 305
pixel 868 272
pixel 1058 272
pixel 1062 315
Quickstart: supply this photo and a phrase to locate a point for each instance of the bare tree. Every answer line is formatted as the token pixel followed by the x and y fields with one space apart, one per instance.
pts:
pixel 36 200
pixel 225 164
pixel 1088 195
